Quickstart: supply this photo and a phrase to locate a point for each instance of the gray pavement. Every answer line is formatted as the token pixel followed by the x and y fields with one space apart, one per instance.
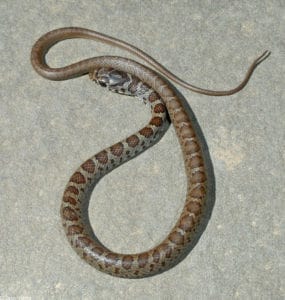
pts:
pixel 49 128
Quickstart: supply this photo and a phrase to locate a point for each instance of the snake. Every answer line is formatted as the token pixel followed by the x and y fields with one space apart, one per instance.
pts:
pixel 150 85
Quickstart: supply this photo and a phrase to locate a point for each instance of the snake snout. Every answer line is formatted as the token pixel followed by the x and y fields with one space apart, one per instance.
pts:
pixel 97 76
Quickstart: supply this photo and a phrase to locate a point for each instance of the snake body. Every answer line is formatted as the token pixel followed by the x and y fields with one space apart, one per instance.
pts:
pixel 128 77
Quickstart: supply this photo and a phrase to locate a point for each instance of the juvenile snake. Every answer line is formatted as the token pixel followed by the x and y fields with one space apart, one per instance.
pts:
pixel 128 77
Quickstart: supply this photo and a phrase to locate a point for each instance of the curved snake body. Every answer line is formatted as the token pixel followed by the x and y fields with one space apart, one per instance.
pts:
pixel 131 78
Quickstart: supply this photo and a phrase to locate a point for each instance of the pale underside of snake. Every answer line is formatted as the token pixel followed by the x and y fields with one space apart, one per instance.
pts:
pixel 128 77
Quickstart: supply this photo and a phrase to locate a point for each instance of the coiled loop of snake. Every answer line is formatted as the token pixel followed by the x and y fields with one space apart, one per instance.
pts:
pixel 129 77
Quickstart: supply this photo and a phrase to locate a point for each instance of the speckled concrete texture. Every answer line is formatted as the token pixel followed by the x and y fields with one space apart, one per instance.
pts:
pixel 49 128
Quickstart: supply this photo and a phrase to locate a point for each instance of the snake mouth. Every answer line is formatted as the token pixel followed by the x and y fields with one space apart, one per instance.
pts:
pixel 102 83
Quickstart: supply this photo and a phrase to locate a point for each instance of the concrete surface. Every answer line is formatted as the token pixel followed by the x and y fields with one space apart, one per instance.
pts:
pixel 49 128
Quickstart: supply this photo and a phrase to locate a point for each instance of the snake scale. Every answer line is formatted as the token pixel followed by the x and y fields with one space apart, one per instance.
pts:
pixel 128 77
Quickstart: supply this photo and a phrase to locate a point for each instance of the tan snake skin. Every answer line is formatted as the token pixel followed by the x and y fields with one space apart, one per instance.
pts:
pixel 131 78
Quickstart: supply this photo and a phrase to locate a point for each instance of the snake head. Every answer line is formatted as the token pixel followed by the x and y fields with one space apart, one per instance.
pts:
pixel 114 80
